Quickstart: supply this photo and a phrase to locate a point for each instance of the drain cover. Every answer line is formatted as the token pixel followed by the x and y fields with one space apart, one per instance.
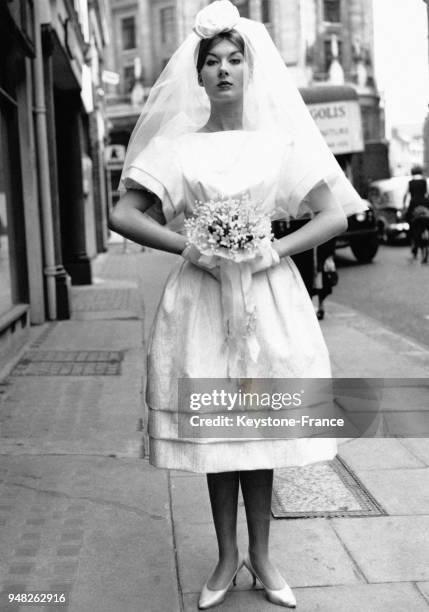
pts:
pixel 69 363
pixel 104 299
pixel 327 489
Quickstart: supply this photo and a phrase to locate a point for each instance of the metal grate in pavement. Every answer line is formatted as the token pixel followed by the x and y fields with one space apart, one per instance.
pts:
pixel 104 299
pixel 69 363
pixel 324 489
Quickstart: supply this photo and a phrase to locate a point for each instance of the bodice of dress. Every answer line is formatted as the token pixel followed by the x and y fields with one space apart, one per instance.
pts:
pixel 202 166
pixel 230 164
pixel 266 167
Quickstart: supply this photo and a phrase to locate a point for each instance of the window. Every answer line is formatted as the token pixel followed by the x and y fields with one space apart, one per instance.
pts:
pixel 266 11
pixel 128 33
pixel 328 53
pixel 331 11
pixel 243 7
pixel 168 24
pixel 128 81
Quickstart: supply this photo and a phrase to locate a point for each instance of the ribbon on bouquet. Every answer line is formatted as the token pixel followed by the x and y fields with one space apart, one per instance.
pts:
pixel 239 313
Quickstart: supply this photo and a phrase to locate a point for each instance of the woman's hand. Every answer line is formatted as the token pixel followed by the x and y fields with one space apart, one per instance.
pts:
pixel 268 258
pixel 209 264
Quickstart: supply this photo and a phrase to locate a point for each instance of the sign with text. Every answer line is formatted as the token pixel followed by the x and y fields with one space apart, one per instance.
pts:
pixel 341 125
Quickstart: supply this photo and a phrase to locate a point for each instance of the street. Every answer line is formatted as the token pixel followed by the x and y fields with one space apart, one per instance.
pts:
pixel 84 515
pixel 393 289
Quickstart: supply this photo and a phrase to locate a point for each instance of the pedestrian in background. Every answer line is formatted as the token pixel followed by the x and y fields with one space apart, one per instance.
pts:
pixel 417 195
pixel 225 119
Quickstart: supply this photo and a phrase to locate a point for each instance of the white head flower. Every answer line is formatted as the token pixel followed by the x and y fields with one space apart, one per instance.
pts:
pixel 219 16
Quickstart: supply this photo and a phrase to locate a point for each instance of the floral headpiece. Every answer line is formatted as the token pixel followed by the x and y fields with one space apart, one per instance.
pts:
pixel 219 16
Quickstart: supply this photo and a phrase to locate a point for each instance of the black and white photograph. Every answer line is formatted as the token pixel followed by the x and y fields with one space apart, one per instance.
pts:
pixel 214 305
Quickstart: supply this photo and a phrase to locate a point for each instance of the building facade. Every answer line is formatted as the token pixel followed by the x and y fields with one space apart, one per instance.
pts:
pixel 52 176
pixel 323 42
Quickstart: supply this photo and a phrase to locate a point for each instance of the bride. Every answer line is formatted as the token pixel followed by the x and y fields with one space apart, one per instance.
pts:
pixel 225 120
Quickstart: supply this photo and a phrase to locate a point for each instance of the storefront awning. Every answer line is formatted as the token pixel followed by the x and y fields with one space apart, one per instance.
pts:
pixel 336 111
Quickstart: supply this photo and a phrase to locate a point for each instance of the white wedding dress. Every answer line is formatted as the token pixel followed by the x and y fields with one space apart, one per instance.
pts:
pixel 187 337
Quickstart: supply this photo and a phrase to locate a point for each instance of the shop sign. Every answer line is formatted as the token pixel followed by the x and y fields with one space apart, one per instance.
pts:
pixel 115 154
pixel 340 124
pixel 110 78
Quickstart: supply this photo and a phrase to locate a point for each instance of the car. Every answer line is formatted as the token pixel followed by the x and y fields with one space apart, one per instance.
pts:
pixel 387 198
pixel 361 235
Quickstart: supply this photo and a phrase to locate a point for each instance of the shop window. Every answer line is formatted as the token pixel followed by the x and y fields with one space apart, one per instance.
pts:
pixel 128 33
pixel 328 53
pixel 168 24
pixel 331 11
pixel 266 11
pixel 243 7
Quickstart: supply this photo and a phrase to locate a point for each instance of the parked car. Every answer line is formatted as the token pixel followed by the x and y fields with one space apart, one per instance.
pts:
pixel 387 198
pixel 361 235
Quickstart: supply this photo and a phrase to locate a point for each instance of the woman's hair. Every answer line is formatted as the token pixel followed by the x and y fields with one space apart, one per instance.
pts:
pixel 416 170
pixel 208 43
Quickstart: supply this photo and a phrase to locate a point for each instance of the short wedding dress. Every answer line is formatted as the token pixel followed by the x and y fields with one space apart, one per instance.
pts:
pixel 187 336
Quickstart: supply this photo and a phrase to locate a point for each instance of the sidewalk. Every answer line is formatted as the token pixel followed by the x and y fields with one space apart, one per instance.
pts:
pixel 82 513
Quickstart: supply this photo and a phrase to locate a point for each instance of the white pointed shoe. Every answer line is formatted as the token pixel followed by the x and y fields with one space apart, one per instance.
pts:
pixel 210 597
pixel 281 597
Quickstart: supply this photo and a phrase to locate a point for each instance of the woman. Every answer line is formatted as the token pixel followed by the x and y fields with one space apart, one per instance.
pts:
pixel 417 193
pixel 225 118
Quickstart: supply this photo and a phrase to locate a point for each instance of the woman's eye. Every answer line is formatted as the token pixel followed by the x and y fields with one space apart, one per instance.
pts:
pixel 236 61
pixel 210 62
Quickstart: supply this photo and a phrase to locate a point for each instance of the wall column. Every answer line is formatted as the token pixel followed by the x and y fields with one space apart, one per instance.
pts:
pixel 62 279
pixel 72 199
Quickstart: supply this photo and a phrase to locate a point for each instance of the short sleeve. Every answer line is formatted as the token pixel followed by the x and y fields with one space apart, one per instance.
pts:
pixel 157 168
pixel 302 169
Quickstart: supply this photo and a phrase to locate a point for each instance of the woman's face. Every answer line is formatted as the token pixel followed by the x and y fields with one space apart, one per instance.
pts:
pixel 222 72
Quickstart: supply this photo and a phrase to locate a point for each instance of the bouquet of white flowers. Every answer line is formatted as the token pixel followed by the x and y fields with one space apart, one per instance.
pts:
pixel 234 234
pixel 233 229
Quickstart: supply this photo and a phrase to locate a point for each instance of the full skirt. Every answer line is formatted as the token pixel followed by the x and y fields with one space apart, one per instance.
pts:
pixel 187 341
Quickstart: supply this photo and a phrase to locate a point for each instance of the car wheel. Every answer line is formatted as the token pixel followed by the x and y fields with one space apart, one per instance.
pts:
pixel 365 251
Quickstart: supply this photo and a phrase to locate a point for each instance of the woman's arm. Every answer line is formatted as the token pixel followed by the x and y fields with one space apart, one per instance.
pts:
pixel 328 222
pixel 132 219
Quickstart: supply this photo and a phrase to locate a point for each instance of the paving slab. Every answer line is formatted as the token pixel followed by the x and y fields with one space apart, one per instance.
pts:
pixel 378 454
pixel 357 598
pixel 92 524
pixel 185 492
pixel 387 549
pixel 408 397
pixel 423 587
pixel 361 347
pixel 308 552
pixel 72 414
pixel 95 335
pixel 406 424
pixel 400 491
pixel 419 447
pixel 107 300
pixel 368 357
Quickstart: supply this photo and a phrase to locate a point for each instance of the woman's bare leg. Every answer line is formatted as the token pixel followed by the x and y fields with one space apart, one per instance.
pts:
pixel 257 486
pixel 223 491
